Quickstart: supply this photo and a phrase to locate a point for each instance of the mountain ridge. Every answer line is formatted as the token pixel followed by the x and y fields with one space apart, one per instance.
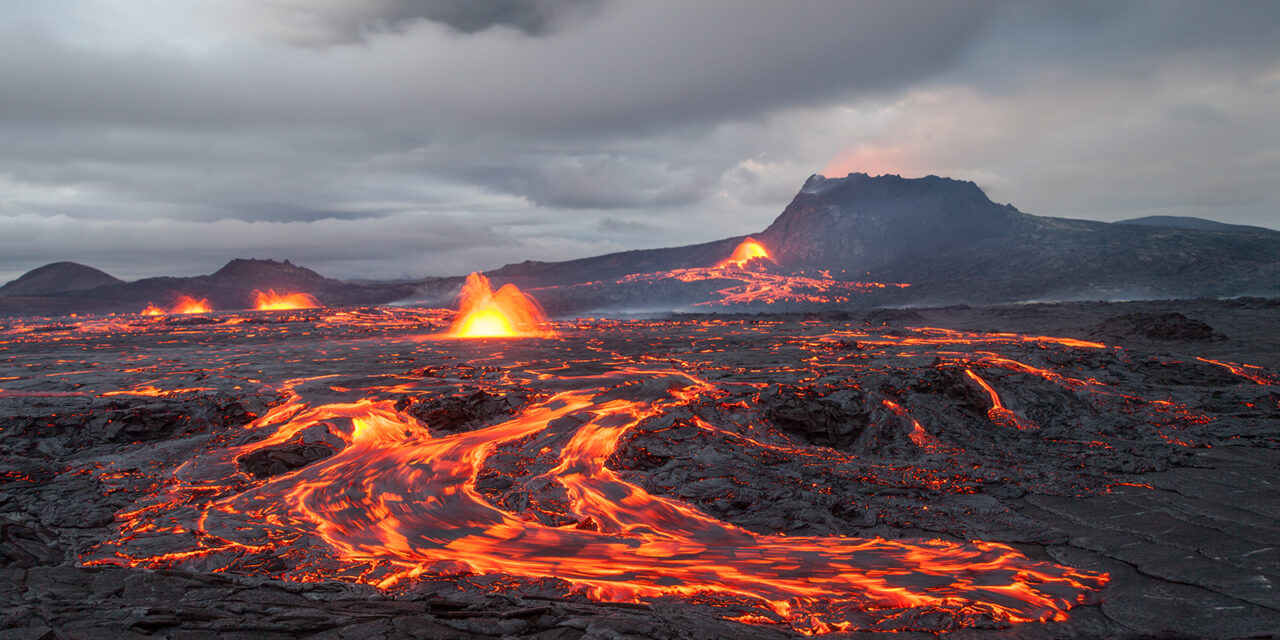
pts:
pixel 943 237
pixel 1191 222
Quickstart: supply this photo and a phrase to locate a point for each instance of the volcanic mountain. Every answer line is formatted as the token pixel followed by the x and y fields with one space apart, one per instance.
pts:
pixel 953 245
pixel 58 277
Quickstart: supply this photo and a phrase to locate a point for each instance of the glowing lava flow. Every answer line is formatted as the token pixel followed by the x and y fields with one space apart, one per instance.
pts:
pixel 750 266
pixel 271 301
pixel 998 413
pixel 505 313
pixel 187 304
pixel 747 251
pixel 398 502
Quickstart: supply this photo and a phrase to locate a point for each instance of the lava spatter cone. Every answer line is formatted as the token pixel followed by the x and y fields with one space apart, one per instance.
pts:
pixel 747 251
pixel 505 313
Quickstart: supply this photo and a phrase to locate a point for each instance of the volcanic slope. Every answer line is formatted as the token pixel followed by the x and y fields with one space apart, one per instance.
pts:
pixel 952 244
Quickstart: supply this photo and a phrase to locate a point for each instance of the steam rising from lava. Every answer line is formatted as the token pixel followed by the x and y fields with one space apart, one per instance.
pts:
pixel 271 301
pixel 505 313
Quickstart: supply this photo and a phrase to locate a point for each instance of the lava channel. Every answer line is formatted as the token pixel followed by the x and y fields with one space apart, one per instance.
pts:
pixel 397 502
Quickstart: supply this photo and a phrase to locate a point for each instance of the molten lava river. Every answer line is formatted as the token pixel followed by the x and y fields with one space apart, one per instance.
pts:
pixel 816 475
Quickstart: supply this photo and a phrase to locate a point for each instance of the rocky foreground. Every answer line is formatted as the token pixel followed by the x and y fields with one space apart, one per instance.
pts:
pixel 150 485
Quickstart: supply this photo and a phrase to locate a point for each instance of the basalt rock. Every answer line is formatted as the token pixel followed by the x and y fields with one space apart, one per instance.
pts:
pixel 1166 327
pixel 464 412
pixel 309 445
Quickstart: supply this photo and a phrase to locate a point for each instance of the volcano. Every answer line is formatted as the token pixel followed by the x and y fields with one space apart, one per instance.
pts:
pixel 58 277
pixel 953 245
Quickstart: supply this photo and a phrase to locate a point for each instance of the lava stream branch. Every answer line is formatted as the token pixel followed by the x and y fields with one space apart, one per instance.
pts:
pixel 399 498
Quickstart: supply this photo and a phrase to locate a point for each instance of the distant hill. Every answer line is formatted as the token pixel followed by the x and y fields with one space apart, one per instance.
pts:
pixel 1199 224
pixel 229 288
pixel 58 277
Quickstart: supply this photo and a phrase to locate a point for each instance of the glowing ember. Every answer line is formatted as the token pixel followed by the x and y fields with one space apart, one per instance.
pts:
pixel 505 313
pixel 271 301
pixel 746 252
pixel 152 310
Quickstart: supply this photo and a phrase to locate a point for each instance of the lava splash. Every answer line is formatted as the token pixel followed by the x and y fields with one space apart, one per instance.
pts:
pixel 505 313
pixel 271 301
pixel 187 304
pixel 747 251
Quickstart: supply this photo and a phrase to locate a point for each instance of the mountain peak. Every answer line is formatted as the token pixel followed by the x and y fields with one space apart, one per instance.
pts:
pixel 867 221
pixel 58 277
pixel 251 268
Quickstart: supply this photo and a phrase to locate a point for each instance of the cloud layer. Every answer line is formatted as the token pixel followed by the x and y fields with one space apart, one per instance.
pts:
pixel 387 138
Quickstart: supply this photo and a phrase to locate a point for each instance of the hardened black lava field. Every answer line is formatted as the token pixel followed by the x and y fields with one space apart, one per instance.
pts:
pixel 1073 470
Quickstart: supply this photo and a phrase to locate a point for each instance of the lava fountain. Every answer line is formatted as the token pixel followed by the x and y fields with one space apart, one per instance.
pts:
pixel 185 304
pixel 505 313
pixel 272 301
pixel 747 251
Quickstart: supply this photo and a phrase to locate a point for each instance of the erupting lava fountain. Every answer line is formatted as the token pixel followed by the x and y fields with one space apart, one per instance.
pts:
pixel 747 251
pixel 185 304
pixel 271 301
pixel 505 313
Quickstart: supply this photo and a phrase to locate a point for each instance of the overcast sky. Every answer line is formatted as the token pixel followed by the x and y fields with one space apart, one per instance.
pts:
pixel 394 138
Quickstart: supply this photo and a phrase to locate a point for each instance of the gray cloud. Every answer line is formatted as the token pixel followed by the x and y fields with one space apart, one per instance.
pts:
pixel 322 23
pixel 393 138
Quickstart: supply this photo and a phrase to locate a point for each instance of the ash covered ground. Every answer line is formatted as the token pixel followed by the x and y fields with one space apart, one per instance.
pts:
pixel 1070 470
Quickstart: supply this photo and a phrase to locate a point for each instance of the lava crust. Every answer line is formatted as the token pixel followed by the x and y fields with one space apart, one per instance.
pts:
pixel 357 471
